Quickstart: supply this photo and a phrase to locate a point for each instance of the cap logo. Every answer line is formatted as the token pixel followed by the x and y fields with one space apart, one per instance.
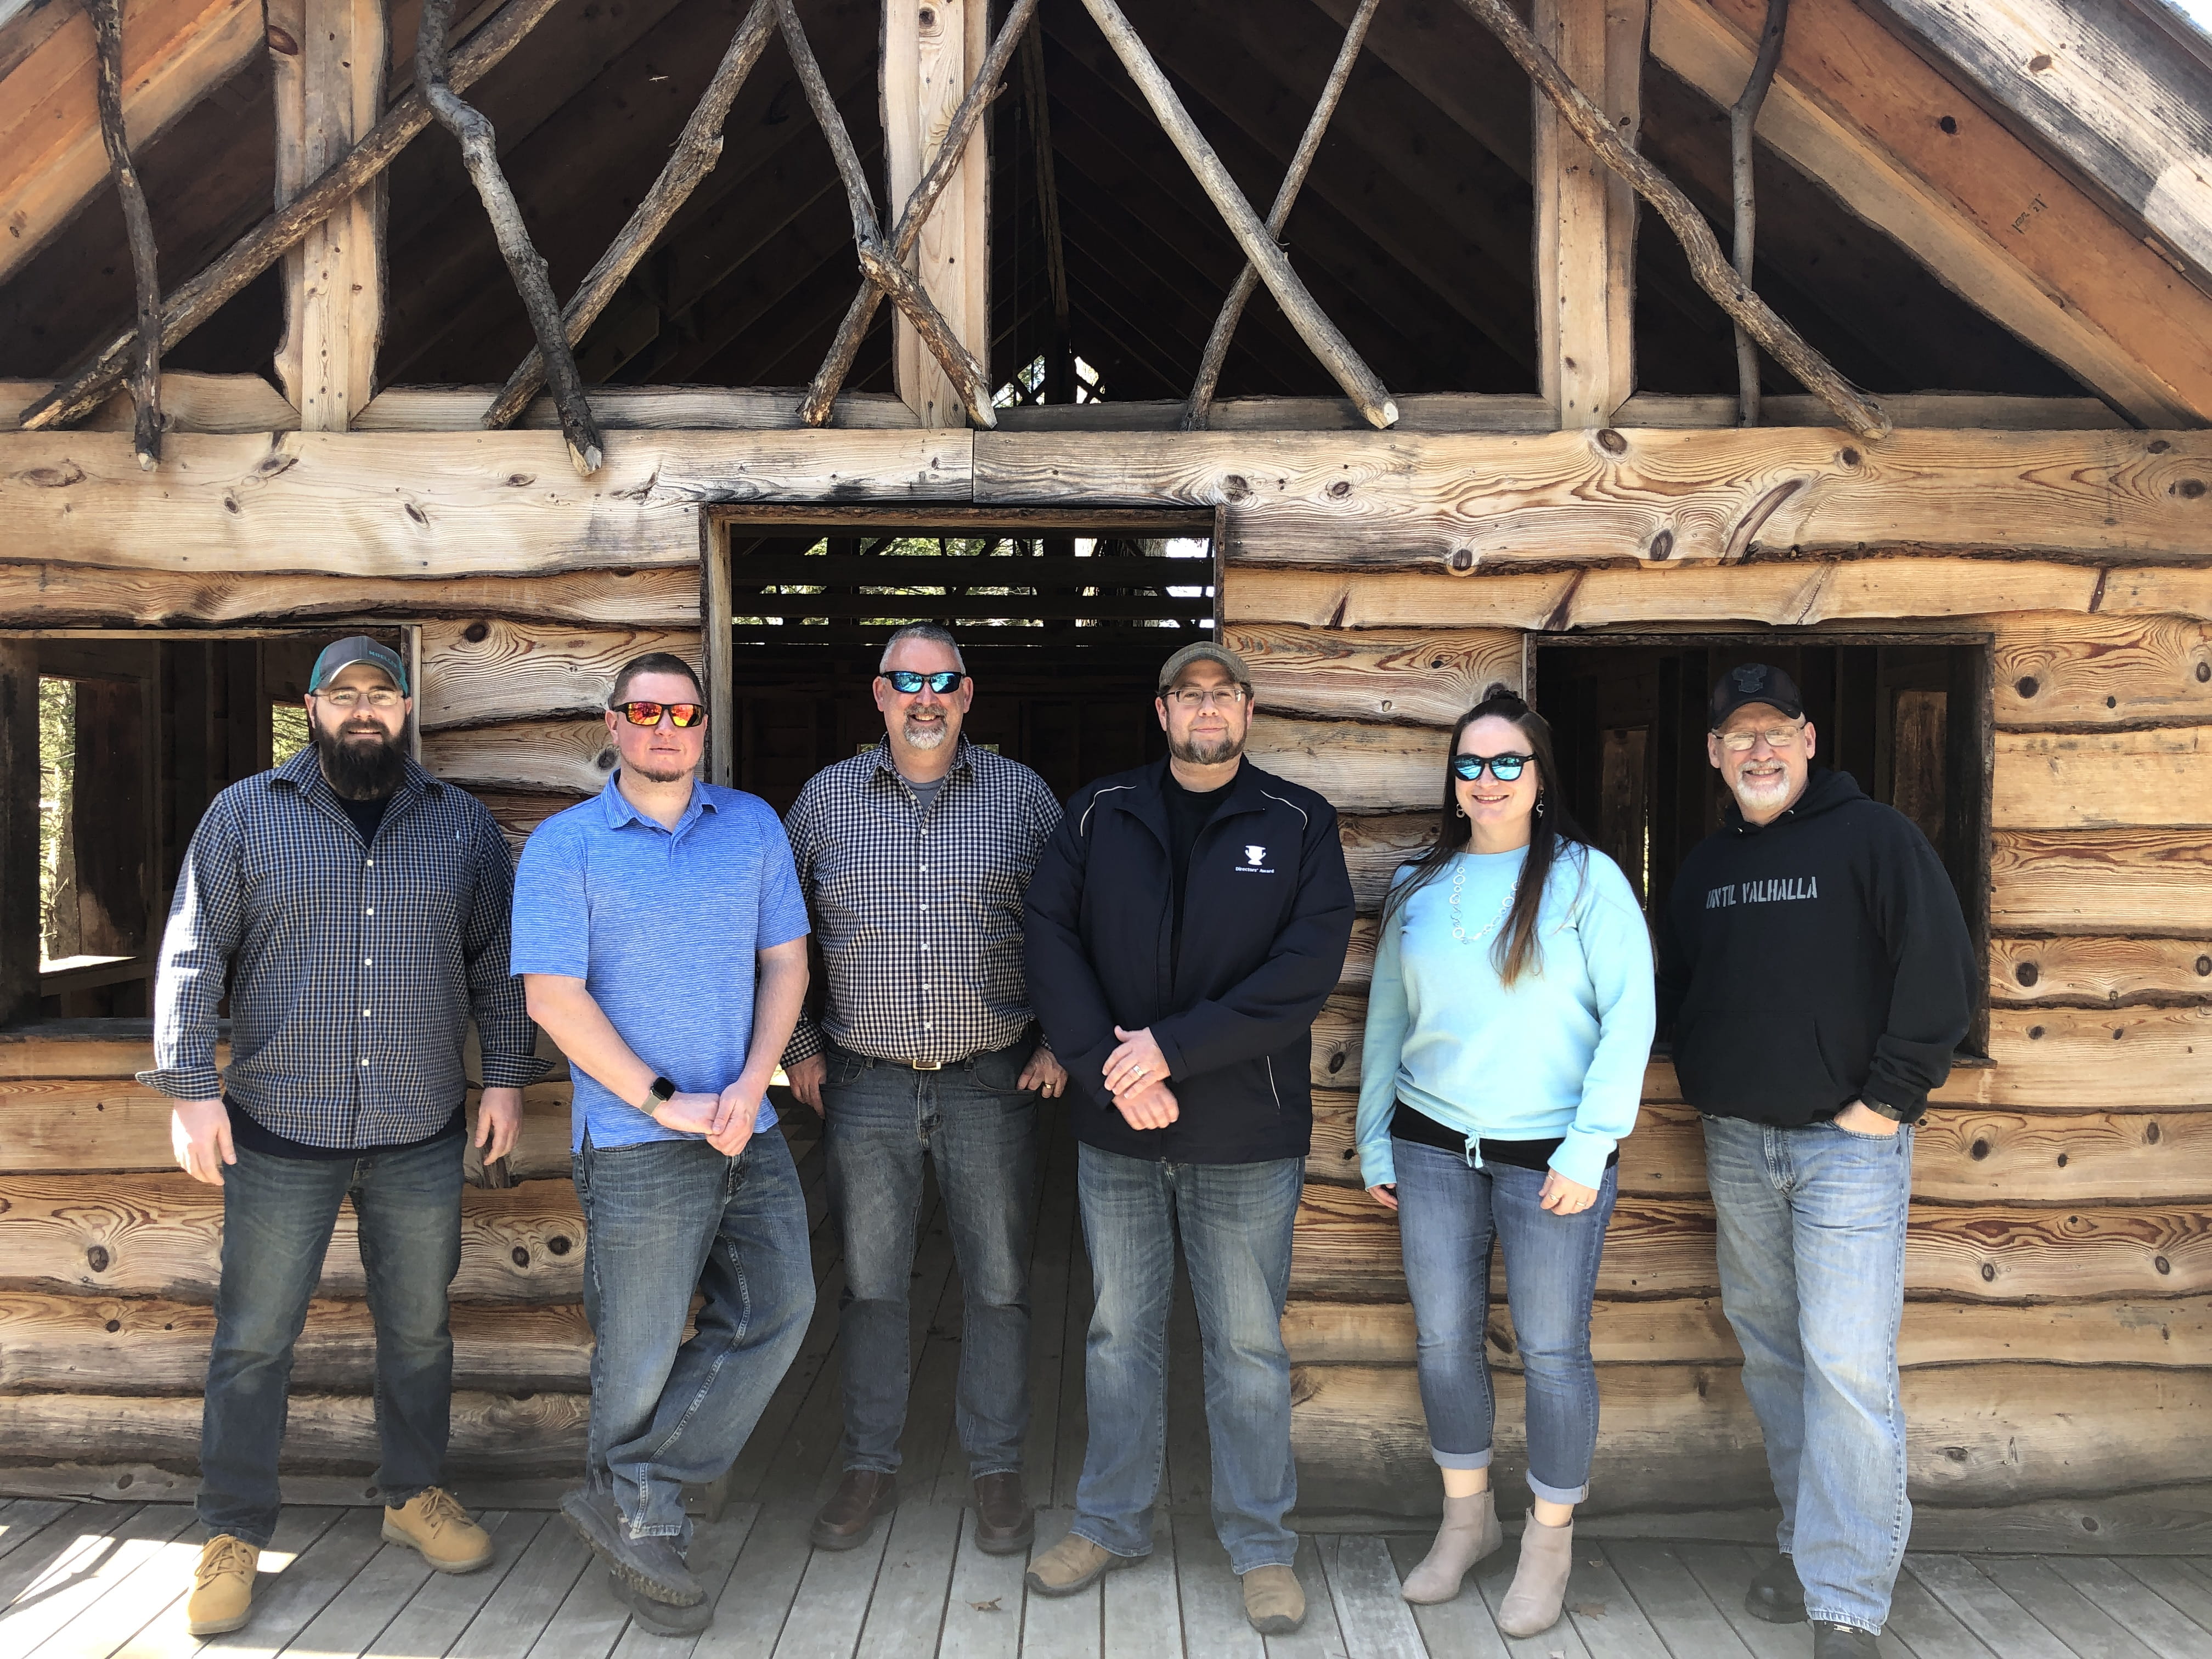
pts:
pixel 1750 676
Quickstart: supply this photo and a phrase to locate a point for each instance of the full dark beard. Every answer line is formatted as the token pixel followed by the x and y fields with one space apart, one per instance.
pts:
pixel 1215 752
pixel 361 771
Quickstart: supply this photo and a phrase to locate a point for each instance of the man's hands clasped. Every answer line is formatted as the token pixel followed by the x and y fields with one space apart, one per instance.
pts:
pixel 1136 1077
pixel 725 1119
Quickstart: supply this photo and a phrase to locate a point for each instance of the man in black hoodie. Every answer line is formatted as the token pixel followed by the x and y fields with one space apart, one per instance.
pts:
pixel 1185 924
pixel 1817 974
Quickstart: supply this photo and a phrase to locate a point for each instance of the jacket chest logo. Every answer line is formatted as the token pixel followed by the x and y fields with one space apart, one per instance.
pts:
pixel 1256 862
pixel 1780 890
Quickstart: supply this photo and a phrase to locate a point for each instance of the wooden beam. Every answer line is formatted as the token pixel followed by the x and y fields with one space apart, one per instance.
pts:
pixel 496 669
pixel 138 231
pixel 1586 214
pixel 2153 779
pixel 1850 107
pixel 2152 881
pixel 328 59
pixel 19 914
pixel 2097 972
pixel 931 50
pixel 51 158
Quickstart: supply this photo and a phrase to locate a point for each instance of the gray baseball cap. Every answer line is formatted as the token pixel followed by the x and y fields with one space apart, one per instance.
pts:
pixel 340 654
pixel 1205 651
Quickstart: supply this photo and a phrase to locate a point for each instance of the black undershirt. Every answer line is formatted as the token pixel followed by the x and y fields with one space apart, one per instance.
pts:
pixel 1189 813
pixel 367 815
pixel 1411 1123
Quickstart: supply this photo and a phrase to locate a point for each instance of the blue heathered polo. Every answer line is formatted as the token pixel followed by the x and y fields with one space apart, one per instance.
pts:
pixel 662 926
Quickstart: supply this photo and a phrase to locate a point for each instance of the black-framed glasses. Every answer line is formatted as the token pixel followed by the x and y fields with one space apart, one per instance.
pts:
pixel 906 682
pixel 681 715
pixel 1506 769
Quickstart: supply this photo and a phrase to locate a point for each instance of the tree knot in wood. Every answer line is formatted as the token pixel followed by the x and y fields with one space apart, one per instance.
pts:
pixel 52 478
pixel 1611 442
pixel 279 42
pixel 1234 487
pixel 1460 560
pixel 96 1258
pixel 1662 547
pixel 2189 489
pixel 605 760
pixel 1746 533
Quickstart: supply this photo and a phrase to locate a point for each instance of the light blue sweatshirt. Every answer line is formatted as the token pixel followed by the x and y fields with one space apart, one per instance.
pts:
pixel 1561 1053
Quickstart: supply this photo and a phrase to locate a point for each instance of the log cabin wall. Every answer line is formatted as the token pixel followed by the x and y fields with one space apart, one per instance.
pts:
pixel 2060 1275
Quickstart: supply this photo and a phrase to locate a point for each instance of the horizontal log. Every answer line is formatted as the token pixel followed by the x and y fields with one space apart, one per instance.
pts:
pixel 492 669
pixel 2153 881
pixel 34 595
pixel 1049 573
pixel 2102 779
pixel 2099 671
pixel 630 409
pixel 1336 1039
pixel 2093 970
pixel 1358 767
pixel 1347 1245
pixel 1686 1436
pixel 1374 849
pixel 152 1344
pixel 1424 678
pixel 517 814
pixel 83 1048
pixel 1412 501
pixel 161 1235
pixel 539 756
pixel 1693 1331
pixel 497 1433
pixel 445 504
pixel 2124 1059
pixel 1360 956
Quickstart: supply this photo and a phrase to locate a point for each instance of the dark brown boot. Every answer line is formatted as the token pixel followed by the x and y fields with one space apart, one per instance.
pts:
pixel 1004 1523
pixel 850 1515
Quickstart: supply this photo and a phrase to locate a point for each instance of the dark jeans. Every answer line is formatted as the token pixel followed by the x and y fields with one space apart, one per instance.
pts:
pixel 1234 1219
pixel 980 1127
pixel 278 1217
pixel 1449 1214
pixel 664 1219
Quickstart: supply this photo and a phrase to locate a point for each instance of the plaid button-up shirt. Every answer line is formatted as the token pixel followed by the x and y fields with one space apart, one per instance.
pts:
pixel 352 971
pixel 919 914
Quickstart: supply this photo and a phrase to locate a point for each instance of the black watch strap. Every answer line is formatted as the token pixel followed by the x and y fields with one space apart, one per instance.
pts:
pixel 1894 1113
pixel 658 1096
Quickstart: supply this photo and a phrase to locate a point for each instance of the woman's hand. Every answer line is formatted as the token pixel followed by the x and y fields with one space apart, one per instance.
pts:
pixel 1563 1197
pixel 1386 1196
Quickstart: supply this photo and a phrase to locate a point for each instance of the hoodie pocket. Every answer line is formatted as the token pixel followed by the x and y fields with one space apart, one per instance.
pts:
pixel 1760 1061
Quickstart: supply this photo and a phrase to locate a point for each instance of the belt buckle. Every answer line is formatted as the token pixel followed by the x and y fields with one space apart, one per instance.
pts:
pixel 927 1064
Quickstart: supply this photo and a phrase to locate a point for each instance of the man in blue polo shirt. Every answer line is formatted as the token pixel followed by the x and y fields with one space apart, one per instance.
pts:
pixel 662 940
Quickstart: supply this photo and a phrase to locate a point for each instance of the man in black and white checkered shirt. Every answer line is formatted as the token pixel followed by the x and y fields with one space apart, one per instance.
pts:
pixel 913 857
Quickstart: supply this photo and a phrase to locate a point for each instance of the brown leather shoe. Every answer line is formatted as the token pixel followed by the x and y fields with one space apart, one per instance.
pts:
pixel 1004 1523
pixel 850 1515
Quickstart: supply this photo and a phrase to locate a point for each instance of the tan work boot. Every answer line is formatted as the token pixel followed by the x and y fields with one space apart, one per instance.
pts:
pixel 223 1586
pixel 1274 1601
pixel 434 1524
pixel 1073 1564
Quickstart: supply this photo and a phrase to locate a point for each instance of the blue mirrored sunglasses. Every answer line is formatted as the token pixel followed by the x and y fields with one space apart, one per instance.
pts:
pixel 906 682
pixel 1504 767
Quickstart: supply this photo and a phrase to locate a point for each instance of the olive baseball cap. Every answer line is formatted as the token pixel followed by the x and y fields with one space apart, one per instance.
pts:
pixel 1205 651
pixel 340 654
pixel 1754 682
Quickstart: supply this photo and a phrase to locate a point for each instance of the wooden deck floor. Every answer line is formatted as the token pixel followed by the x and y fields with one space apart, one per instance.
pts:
pixel 107 1581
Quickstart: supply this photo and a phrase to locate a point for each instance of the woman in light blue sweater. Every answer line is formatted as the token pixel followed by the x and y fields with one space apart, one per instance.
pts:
pixel 1507 1031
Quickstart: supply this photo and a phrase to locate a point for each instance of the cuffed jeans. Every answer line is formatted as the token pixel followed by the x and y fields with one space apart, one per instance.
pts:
pixel 980 1127
pixel 1234 1219
pixel 278 1214
pixel 1812 1267
pixel 1450 1214
pixel 662 1219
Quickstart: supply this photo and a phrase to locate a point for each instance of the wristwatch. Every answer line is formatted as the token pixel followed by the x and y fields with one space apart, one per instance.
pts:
pixel 1894 1113
pixel 658 1096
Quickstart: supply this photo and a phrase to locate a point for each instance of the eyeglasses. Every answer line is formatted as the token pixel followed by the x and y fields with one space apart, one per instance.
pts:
pixel 1774 737
pixel 1506 769
pixel 906 682
pixel 381 698
pixel 681 715
pixel 1206 696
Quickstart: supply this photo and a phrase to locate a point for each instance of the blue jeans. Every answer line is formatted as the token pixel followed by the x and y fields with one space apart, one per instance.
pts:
pixel 980 1127
pixel 278 1214
pixel 1812 1260
pixel 663 1219
pixel 1236 1221
pixel 1450 1214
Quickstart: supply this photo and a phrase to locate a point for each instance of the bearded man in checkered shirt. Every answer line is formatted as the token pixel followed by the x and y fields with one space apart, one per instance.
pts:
pixel 913 857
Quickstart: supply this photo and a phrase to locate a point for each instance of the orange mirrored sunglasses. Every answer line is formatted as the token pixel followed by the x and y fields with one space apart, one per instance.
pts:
pixel 680 714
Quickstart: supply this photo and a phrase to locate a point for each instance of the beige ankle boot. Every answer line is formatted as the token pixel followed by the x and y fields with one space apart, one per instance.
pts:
pixel 1470 1532
pixel 1539 1582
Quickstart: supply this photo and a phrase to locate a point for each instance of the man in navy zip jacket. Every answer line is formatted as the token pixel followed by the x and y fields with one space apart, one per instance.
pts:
pixel 1817 974
pixel 1185 924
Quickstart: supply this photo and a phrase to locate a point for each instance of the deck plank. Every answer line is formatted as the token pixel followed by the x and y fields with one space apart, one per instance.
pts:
pixel 756 1601
pixel 713 1559
pixel 59 1536
pixel 1321 1636
pixel 1724 1572
pixel 1142 1603
pixel 22 1519
pixel 357 1615
pixel 983 1610
pixel 434 1620
pixel 286 1602
pixel 2154 1621
pixel 907 1610
pixel 1458 1629
pixel 163 1635
pixel 1931 1629
pixel 524 1602
pixel 589 1621
pixel 1984 1608
pixel 1605 1614
pixel 74 1603
pixel 832 1602
pixel 1062 1627
pixel 1374 1619
pixel 1680 1612
pixel 1213 1622
pixel 2063 1610
pixel 1492 1578
pixel 2172 1582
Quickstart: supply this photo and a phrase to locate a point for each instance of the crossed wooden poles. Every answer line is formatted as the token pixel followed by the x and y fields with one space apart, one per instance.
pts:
pixel 443 74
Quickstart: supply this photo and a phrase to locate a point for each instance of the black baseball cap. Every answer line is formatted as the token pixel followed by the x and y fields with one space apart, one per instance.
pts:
pixel 1753 681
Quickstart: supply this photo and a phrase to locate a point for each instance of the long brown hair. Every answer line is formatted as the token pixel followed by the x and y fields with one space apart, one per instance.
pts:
pixel 1518 950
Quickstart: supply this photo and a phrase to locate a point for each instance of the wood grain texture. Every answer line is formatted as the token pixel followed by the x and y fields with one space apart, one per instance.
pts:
pixel 160 1235
pixel 1347 1246
pixel 539 756
pixel 1408 501
pixel 191 402
pixel 1336 1041
pixel 446 504
pixel 2157 881
pixel 1421 677
pixel 155 1345
pixel 517 813
pixel 1374 849
pixel 2099 671
pixel 491 669
pixel 81 1049
pixel 1359 767
pixel 631 409
pixel 2093 971
pixel 2103 780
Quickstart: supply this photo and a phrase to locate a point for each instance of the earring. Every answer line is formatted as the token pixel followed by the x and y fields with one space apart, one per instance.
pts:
pixel 1540 806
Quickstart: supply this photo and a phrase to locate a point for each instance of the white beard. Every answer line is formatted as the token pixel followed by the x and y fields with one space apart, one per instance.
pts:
pixel 925 734
pixel 1762 792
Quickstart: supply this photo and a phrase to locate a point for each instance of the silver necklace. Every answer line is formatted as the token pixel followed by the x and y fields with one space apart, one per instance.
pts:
pixel 1458 925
